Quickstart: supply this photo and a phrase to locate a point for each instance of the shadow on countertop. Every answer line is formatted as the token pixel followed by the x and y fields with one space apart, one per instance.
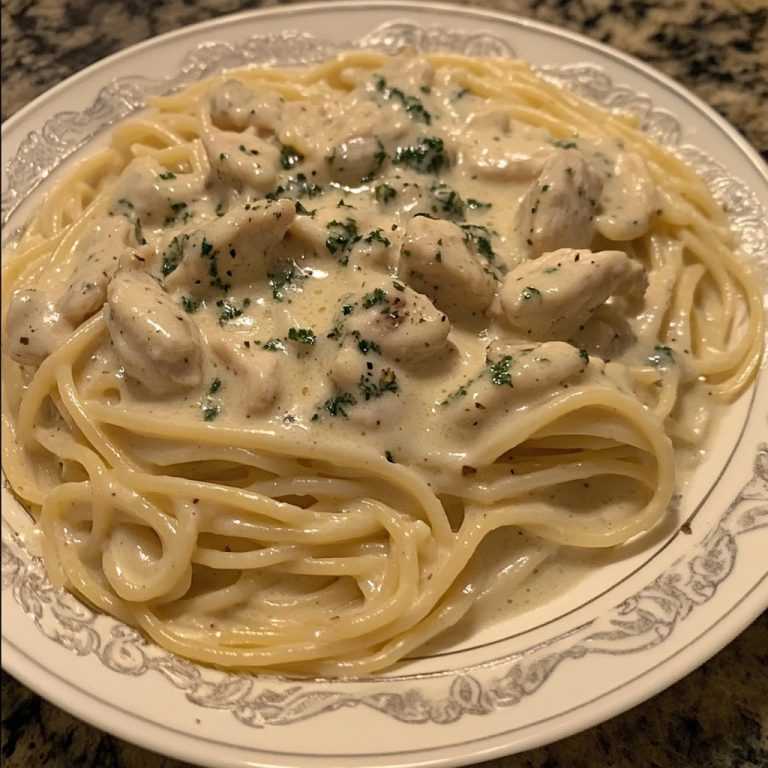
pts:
pixel 717 48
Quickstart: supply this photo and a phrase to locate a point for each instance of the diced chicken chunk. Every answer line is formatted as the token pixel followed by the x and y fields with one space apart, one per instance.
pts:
pixel 628 201
pixel 234 106
pixel 515 371
pixel 558 210
pixel 87 290
pixel 34 328
pixel 255 371
pixel 403 324
pixel 242 159
pixel 146 199
pixel 158 346
pixel 356 160
pixel 230 250
pixel 436 261
pixel 553 296
pixel 349 365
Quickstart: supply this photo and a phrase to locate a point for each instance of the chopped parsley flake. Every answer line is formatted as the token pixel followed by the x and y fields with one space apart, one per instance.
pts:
pixel 178 210
pixel 476 205
pixel 447 201
pixel 211 410
pixel 499 371
pixel 228 310
pixel 378 236
pixel 295 187
pixel 281 281
pixel 336 405
pixel 342 238
pixel 302 211
pixel 167 176
pixel 215 386
pixel 411 104
pixel 173 254
pixel 289 157
pixel 190 304
pixel 479 238
pixel 384 193
pixel 130 213
pixel 426 156
pixel 370 389
pixel 564 144
pixel 302 335
pixel 376 296
pixel 273 345
pixel 366 346
pixel 584 355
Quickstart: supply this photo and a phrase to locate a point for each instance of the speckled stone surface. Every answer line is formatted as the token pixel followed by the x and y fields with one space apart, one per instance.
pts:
pixel 717 717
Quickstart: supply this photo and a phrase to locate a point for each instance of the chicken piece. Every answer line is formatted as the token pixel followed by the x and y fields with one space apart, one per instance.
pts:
pixel 146 199
pixel 349 365
pixel 606 334
pixel 86 292
pixel 34 327
pixel 356 160
pixel 158 346
pixel 256 371
pixel 235 107
pixel 628 201
pixel 403 324
pixel 515 371
pixel 242 159
pixel 230 250
pixel 437 262
pixel 553 296
pixel 558 210
pixel 497 164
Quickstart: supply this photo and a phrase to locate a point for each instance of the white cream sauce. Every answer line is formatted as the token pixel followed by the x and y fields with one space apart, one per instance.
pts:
pixel 394 267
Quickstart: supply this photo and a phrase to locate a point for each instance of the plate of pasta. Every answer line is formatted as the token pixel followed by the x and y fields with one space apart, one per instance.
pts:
pixel 373 371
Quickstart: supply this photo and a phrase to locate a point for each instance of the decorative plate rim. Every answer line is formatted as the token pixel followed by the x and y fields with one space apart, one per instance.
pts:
pixel 466 695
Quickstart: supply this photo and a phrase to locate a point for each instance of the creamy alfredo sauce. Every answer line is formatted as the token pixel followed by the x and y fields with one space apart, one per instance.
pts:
pixel 394 268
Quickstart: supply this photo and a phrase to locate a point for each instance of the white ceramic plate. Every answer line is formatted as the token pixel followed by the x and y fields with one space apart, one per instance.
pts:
pixel 616 638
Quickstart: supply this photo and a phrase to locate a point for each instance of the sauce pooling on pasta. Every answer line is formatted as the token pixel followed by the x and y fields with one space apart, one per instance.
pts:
pixel 392 279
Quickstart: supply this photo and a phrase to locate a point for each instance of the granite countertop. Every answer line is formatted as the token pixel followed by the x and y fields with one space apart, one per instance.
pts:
pixel 717 717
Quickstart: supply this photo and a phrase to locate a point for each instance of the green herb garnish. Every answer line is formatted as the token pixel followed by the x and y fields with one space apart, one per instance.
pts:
pixel 377 236
pixel 173 254
pixel 370 389
pixel 366 346
pixel 376 296
pixel 426 156
pixel 499 371
pixel 342 238
pixel 289 156
pixel 302 335
pixel 190 304
pixel 336 405
pixel 384 193
pixel 411 104
pixel 447 201
pixel 479 238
